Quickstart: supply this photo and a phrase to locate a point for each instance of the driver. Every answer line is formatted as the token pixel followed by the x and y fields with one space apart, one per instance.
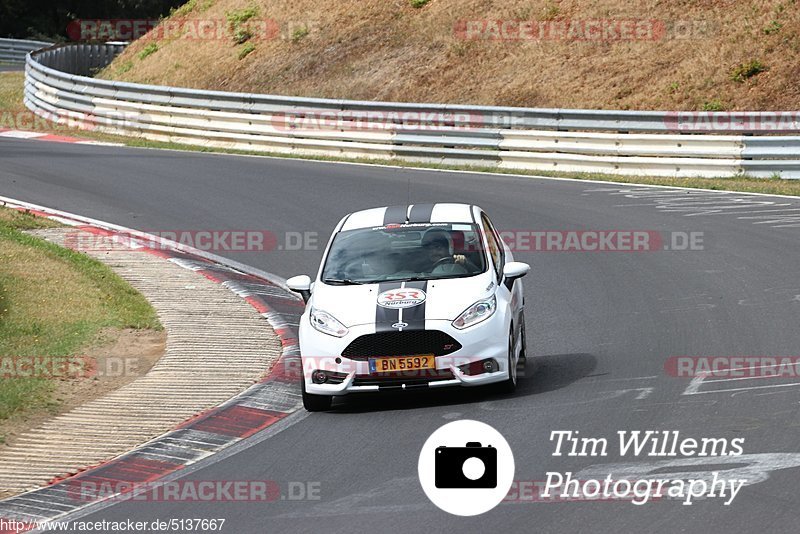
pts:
pixel 439 246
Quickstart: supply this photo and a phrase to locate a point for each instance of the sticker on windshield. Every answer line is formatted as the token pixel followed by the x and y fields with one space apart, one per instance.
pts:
pixel 401 298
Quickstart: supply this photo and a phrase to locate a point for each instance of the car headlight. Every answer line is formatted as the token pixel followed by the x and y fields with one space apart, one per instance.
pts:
pixel 327 323
pixel 477 313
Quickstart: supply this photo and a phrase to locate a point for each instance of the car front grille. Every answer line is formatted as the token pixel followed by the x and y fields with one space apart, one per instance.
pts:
pixel 405 343
pixel 411 379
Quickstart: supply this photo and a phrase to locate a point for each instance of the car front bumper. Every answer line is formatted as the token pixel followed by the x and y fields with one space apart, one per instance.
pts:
pixel 484 341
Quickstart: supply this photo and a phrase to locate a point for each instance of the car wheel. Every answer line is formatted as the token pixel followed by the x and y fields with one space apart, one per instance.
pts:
pixel 315 403
pixel 510 384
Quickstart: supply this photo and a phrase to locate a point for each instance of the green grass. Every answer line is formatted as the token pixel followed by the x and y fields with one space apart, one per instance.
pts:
pixel 237 20
pixel 148 50
pixel 747 70
pixel 190 6
pixel 299 33
pixel 240 16
pixel 246 49
pixel 242 34
pixel 713 105
pixel 124 67
pixel 54 302
pixel 418 3
pixel 773 27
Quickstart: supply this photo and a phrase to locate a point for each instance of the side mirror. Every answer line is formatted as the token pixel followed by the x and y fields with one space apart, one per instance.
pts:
pixel 300 284
pixel 513 270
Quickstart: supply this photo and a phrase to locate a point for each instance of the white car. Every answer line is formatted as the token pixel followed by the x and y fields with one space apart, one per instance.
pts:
pixel 418 296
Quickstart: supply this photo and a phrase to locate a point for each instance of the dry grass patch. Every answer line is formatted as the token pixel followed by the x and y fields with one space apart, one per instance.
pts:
pixel 391 50
pixel 11 89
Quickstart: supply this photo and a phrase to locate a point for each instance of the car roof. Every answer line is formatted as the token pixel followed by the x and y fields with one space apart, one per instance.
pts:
pixel 442 212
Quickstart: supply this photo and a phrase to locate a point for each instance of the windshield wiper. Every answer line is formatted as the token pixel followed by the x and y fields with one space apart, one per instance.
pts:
pixel 429 278
pixel 408 279
pixel 343 282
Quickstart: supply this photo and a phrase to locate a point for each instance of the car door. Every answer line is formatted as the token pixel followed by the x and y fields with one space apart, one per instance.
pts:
pixel 507 292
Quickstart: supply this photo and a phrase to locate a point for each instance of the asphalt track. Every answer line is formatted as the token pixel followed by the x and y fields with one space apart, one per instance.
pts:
pixel 600 325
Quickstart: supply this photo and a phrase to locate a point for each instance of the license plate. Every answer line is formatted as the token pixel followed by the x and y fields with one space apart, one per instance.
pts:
pixel 401 363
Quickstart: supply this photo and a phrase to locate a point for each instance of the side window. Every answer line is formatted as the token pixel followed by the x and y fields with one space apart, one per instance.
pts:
pixel 495 248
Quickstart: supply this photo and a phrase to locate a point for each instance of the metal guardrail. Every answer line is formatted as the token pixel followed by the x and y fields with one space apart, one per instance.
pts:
pixel 58 86
pixel 14 50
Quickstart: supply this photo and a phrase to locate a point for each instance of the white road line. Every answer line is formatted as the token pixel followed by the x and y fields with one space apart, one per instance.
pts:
pixel 703 202
pixel 627 379
pixel 751 388
pixel 19 134
pixel 694 385
pixel 98 143
pixel 745 377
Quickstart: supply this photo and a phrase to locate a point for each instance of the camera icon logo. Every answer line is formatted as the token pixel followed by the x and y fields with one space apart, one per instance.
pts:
pixel 466 468
pixel 472 466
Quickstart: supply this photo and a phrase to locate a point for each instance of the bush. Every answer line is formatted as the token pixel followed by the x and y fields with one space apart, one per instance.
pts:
pixel 240 16
pixel 773 27
pixel 241 34
pixel 747 70
pixel 419 3
pixel 236 23
pixel 713 105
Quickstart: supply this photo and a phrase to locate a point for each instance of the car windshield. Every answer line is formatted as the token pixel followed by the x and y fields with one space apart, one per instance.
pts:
pixel 405 251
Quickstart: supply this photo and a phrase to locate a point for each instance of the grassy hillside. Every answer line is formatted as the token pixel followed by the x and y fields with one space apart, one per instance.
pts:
pixel 689 54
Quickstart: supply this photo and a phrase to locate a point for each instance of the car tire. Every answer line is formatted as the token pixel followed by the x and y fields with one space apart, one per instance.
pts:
pixel 510 384
pixel 315 403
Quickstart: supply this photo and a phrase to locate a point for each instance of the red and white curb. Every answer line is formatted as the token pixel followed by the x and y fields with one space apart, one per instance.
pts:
pixel 41 136
pixel 250 412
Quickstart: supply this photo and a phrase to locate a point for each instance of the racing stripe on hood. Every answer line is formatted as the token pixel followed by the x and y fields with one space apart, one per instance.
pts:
pixel 386 317
pixel 395 215
pixel 415 315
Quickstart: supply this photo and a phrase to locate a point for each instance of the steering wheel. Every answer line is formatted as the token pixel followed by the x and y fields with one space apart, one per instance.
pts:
pixel 444 261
